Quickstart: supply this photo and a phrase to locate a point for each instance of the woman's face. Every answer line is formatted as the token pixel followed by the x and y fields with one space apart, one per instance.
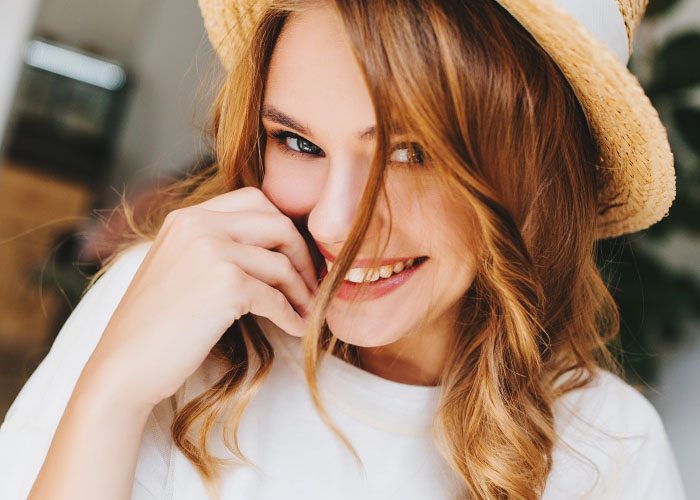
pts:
pixel 318 116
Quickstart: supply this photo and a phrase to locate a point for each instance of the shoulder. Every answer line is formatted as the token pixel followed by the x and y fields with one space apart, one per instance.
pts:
pixel 611 444
pixel 609 403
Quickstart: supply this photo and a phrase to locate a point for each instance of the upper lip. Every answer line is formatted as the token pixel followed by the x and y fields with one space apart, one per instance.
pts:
pixel 362 262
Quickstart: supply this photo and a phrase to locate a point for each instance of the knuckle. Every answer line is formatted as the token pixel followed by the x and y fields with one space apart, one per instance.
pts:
pixel 252 190
pixel 287 225
pixel 279 298
pixel 255 194
pixel 171 216
pixel 187 219
pixel 263 202
pixel 284 267
pixel 205 247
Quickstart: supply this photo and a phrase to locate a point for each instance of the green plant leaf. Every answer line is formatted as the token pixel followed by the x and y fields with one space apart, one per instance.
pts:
pixel 687 120
pixel 655 303
pixel 676 64
pixel 659 7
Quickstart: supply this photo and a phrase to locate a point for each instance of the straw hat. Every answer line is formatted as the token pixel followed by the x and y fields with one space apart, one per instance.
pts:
pixel 591 41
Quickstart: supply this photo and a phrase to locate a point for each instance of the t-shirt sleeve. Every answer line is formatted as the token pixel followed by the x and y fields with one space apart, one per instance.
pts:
pixel 30 423
pixel 612 445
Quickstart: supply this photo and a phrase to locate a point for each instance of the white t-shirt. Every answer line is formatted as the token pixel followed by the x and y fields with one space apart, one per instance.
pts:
pixel 613 444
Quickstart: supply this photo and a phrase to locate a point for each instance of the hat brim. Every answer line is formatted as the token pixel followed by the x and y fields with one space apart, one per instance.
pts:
pixel 636 159
pixel 636 155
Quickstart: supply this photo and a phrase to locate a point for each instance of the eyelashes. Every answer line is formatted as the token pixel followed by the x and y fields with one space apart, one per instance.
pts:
pixel 406 153
pixel 305 148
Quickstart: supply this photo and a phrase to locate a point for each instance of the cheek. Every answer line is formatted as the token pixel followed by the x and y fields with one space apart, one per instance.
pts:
pixel 458 243
pixel 450 235
pixel 292 185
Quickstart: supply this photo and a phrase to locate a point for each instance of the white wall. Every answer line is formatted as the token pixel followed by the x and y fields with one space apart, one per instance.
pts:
pixel 677 398
pixel 15 24
pixel 164 46
pixel 110 28
pixel 174 66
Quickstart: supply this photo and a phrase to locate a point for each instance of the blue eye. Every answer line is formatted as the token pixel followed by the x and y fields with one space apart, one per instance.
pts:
pixel 296 146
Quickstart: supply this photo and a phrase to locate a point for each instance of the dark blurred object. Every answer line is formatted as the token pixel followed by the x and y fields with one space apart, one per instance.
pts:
pixel 34 209
pixel 67 112
pixel 656 302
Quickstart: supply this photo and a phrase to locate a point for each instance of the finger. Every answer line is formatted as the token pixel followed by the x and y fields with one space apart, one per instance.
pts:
pixel 246 199
pixel 276 270
pixel 271 303
pixel 273 232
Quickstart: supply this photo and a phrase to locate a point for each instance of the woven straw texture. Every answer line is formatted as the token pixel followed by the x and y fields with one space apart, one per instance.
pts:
pixel 636 160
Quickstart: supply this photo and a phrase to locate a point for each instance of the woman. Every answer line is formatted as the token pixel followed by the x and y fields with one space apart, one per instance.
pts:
pixel 384 287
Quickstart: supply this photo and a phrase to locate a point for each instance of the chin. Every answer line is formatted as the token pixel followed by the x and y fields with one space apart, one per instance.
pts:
pixel 363 334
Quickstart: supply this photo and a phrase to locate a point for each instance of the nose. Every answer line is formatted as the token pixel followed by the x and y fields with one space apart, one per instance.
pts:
pixel 331 218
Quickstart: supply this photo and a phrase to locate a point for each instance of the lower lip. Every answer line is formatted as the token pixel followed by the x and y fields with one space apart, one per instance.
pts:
pixel 373 289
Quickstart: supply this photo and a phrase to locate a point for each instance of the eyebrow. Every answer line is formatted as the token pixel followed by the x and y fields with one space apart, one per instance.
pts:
pixel 273 114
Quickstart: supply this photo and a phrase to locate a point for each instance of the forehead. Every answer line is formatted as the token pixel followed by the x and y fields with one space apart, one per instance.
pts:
pixel 314 77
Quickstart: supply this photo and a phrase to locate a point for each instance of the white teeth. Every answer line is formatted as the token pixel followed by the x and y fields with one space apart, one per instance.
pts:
pixel 360 274
pixel 356 275
pixel 386 271
pixel 373 275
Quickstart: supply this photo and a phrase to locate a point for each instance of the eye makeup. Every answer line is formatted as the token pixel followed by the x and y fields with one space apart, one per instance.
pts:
pixel 305 148
pixel 402 153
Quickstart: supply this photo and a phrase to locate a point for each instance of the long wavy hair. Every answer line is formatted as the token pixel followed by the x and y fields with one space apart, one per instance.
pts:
pixel 508 139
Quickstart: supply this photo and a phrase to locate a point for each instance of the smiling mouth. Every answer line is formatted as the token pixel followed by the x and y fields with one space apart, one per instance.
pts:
pixel 372 289
pixel 391 268
pixel 372 274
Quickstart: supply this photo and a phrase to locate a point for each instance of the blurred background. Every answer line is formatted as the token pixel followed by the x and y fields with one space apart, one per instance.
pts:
pixel 100 99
